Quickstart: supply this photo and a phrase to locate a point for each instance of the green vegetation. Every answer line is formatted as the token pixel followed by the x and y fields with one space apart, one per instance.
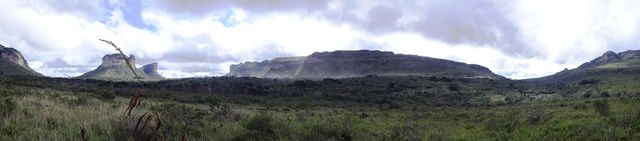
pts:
pixel 368 108
pixel 597 104
pixel 10 68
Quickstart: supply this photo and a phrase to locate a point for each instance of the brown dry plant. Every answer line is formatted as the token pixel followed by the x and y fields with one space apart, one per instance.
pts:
pixel 148 124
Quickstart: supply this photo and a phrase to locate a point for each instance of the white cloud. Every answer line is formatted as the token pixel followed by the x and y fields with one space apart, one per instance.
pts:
pixel 519 39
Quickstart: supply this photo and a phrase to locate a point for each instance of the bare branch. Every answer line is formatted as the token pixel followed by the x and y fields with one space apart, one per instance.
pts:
pixel 126 60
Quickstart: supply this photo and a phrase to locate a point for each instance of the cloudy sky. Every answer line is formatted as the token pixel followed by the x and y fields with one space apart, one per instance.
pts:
pixel 514 38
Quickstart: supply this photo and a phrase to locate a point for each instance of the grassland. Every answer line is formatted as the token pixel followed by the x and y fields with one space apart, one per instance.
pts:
pixel 37 109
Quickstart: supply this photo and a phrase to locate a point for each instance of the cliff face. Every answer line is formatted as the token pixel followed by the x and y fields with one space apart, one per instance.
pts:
pixel 111 60
pixel 344 64
pixel 13 63
pixel 152 70
pixel 114 67
pixel 276 68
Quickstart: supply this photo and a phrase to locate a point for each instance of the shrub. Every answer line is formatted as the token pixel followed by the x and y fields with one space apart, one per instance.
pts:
pixel 338 131
pixel 107 96
pixel 454 87
pixel 8 106
pixel 264 128
pixel 503 123
pixel 604 94
pixel 602 107
pixel 588 81
pixel 406 133
pixel 537 116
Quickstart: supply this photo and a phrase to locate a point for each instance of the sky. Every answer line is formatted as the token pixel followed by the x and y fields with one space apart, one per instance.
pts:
pixel 514 38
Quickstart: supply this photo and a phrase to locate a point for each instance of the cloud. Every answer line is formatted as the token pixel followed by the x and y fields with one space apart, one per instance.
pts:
pixel 519 39
pixel 575 31
pixel 478 22
pixel 205 7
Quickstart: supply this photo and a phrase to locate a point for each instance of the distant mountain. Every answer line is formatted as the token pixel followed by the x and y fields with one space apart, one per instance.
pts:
pixel 115 68
pixel 345 64
pixel 13 63
pixel 609 66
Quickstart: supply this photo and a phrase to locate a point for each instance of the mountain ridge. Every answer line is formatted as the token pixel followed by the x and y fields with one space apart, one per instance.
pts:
pixel 358 63
pixel 609 63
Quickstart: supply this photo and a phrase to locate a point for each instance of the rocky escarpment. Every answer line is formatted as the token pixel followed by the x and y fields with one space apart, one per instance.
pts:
pixel 13 63
pixel 285 67
pixel 345 64
pixel 115 68
pixel 152 70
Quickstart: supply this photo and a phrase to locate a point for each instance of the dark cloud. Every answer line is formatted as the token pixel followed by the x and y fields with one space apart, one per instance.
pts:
pixel 475 22
pixel 382 18
pixel 204 7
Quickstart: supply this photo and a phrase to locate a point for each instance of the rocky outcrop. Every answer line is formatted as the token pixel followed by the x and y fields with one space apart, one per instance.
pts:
pixel 114 67
pixel 13 63
pixel 116 60
pixel 345 64
pixel 152 70
pixel 285 67
pixel 13 55
pixel 610 59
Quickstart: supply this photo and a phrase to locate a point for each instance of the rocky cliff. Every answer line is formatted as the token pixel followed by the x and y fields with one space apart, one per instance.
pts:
pixel 152 70
pixel 345 64
pixel 13 63
pixel 115 68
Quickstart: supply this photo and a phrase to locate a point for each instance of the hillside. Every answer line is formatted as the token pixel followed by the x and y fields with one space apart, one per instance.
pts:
pixel 13 63
pixel 611 65
pixel 114 68
pixel 610 74
pixel 346 64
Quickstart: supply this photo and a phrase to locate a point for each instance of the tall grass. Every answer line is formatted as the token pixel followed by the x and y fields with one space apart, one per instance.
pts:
pixel 44 114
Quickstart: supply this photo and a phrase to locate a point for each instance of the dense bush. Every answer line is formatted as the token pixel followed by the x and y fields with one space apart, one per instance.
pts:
pixel 602 107
pixel 589 82
pixel 7 106
pixel 263 127
pixel 538 115
pixel 406 133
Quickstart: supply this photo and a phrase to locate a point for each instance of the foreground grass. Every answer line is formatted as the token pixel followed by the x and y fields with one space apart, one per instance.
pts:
pixel 43 114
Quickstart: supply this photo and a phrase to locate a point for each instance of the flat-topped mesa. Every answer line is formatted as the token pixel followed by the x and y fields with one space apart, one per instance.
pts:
pixel 345 64
pixel 152 70
pixel 116 60
pixel 115 68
